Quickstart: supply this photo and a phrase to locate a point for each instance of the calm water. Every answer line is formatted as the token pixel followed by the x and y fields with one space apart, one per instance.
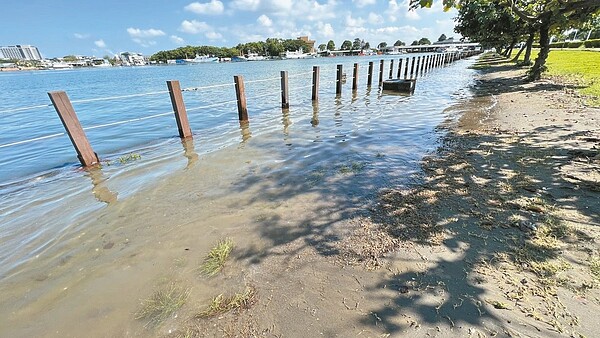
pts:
pixel 48 205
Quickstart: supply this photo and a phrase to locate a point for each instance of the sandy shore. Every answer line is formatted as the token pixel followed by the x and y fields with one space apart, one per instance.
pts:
pixel 497 238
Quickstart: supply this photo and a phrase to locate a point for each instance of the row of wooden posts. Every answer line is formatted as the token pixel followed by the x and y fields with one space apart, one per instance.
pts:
pixel 88 157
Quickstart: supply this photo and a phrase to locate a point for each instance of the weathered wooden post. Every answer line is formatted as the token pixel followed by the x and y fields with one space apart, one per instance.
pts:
pixel 412 67
pixel 391 69
pixel 370 75
pixel 285 93
pixel 338 84
pixel 423 64
pixel 417 67
pixel 68 117
pixel 381 64
pixel 240 93
pixel 399 68
pixel 355 78
pixel 315 86
pixel 406 69
pixel 183 125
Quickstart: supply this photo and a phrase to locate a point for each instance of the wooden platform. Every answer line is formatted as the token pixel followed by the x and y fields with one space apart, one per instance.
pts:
pixel 400 85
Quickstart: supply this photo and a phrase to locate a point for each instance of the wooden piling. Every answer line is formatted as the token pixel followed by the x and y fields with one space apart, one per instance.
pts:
pixel 381 64
pixel 355 78
pixel 68 117
pixel 338 84
pixel 417 67
pixel 399 68
pixel 240 93
pixel 423 65
pixel 412 67
pixel 370 74
pixel 183 125
pixel 285 93
pixel 391 69
pixel 406 69
pixel 315 86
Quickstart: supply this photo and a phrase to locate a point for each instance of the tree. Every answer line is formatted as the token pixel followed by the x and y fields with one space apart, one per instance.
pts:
pixel 382 45
pixel 415 43
pixel 357 44
pixel 367 45
pixel 70 58
pixel 330 45
pixel 399 43
pixel 322 47
pixel 442 37
pixel 346 45
pixel 545 15
pixel 424 41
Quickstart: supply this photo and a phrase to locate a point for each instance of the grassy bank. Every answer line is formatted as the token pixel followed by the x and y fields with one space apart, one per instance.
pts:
pixel 578 67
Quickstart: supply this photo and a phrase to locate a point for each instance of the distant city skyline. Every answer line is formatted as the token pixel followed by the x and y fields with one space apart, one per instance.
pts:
pixel 110 27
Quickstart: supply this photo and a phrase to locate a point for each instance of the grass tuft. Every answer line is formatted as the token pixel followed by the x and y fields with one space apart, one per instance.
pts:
pixel 215 260
pixel 163 304
pixel 129 158
pixel 221 304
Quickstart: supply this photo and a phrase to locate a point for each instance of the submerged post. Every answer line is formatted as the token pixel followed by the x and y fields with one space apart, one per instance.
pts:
pixel 285 93
pixel 355 77
pixel 240 93
pixel 422 64
pixel 417 67
pixel 338 84
pixel 412 67
pixel 370 75
pixel 391 69
pixel 315 86
pixel 406 69
pixel 183 125
pixel 399 68
pixel 381 72
pixel 68 117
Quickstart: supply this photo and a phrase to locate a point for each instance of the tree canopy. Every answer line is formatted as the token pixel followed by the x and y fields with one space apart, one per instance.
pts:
pixel 330 45
pixel 442 37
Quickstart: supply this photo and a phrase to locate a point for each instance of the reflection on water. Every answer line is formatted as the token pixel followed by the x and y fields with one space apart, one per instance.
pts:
pixel 66 248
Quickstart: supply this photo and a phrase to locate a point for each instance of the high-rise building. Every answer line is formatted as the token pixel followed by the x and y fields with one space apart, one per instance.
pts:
pixel 20 52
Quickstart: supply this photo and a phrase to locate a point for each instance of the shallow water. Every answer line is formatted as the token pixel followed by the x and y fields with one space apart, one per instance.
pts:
pixel 98 241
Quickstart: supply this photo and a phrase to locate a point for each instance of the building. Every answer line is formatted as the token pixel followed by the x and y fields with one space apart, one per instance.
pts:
pixel 133 59
pixel 20 52
pixel 311 43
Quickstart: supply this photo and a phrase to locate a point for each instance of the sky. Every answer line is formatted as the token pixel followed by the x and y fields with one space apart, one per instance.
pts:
pixel 81 27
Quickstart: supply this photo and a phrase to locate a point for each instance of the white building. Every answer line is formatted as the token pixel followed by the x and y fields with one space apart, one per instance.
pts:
pixel 133 59
pixel 20 52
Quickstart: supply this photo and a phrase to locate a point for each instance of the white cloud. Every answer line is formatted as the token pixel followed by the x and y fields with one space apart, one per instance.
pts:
pixel 363 3
pixel 264 20
pixel 325 31
pixel 246 5
pixel 81 36
pixel 213 35
pixel 352 22
pixel 211 8
pixel 194 27
pixel 412 15
pixel 144 33
pixel 100 43
pixel 177 40
pixel 375 19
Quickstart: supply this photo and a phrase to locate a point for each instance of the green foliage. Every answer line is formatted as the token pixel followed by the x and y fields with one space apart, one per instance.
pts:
pixel 70 58
pixel 215 260
pixel 162 305
pixel 346 45
pixel 572 44
pixel 424 41
pixel 382 45
pixel 322 47
pixel 592 43
pixel 357 44
pixel 414 43
pixel 367 45
pixel 442 37
pixel 330 45
pixel 399 43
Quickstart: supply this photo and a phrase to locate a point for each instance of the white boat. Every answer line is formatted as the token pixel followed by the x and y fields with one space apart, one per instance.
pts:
pixel 101 63
pixel 297 55
pixel 255 57
pixel 202 59
pixel 61 65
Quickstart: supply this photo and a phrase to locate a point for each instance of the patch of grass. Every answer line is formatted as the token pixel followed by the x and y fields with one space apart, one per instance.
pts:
pixel 221 304
pixel 354 167
pixel 162 304
pixel 129 158
pixel 215 260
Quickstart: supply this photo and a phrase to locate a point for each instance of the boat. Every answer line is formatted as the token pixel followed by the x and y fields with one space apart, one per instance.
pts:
pixel 101 63
pixel 255 57
pixel 299 54
pixel 202 59
pixel 61 65
pixel 239 59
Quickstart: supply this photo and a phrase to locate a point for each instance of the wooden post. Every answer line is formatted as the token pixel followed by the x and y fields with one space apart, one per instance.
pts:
pixel 399 68
pixel 422 64
pixel 406 69
pixel 417 67
pixel 355 77
pixel 381 72
pixel 391 69
pixel 315 87
pixel 183 125
pixel 370 75
pixel 412 67
pixel 240 93
pixel 338 84
pixel 68 117
pixel 285 93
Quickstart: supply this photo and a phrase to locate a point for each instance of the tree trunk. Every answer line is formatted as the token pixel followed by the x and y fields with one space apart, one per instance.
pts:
pixel 516 58
pixel 535 73
pixel 529 43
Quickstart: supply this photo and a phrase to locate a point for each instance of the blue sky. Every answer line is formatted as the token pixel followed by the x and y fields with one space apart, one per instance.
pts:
pixel 64 27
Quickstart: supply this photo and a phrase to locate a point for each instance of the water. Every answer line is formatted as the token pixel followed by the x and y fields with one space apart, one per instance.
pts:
pixel 63 227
